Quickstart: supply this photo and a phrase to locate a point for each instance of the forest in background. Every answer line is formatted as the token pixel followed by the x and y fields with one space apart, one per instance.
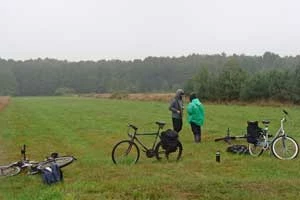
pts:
pixel 214 77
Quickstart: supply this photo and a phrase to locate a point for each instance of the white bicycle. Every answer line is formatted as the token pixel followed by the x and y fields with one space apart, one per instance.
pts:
pixel 34 167
pixel 282 146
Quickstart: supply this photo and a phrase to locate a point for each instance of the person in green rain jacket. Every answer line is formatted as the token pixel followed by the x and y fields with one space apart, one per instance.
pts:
pixel 195 111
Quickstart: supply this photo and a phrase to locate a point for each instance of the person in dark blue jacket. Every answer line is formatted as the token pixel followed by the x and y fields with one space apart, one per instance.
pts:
pixel 176 107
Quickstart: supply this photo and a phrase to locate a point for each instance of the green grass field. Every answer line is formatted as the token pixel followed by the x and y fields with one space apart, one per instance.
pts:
pixel 88 129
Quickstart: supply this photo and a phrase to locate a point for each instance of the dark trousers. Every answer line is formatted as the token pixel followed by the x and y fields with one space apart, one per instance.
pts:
pixel 196 131
pixel 177 124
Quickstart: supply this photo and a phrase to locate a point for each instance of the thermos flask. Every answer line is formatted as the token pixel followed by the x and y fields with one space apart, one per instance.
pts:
pixel 218 156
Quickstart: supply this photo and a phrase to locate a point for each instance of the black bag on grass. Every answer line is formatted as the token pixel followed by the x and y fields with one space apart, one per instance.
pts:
pixel 169 140
pixel 238 149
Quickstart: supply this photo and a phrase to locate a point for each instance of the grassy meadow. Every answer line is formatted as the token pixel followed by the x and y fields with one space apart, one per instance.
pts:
pixel 88 128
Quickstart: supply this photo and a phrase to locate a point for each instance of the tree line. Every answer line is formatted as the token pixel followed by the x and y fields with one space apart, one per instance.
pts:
pixel 213 77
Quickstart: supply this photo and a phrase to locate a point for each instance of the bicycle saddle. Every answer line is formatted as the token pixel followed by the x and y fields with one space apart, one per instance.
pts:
pixel 160 123
pixel 266 122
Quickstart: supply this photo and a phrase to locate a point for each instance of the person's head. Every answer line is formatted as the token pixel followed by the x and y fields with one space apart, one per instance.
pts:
pixel 193 96
pixel 179 93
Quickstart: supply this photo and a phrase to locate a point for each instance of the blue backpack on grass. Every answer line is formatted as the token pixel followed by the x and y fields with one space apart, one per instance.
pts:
pixel 52 174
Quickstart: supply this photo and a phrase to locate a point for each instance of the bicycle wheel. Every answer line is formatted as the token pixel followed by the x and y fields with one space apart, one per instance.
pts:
pixel 285 148
pixel 61 161
pixel 125 152
pixel 9 170
pixel 255 149
pixel 163 154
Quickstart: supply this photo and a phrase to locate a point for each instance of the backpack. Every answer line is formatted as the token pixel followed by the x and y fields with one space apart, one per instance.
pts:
pixel 238 149
pixel 169 140
pixel 52 174
pixel 253 132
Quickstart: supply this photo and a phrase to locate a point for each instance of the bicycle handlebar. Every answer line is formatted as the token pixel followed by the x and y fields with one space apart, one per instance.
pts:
pixel 23 152
pixel 160 124
pixel 284 118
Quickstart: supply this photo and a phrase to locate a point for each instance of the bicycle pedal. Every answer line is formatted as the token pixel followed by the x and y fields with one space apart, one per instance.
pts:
pixel 33 172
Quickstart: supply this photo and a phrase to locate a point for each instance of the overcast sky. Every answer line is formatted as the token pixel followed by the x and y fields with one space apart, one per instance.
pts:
pixel 134 29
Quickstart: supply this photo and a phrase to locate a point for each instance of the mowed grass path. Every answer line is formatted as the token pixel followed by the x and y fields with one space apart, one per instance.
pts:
pixel 88 128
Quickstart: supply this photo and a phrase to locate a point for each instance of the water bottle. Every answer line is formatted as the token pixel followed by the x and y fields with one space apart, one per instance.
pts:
pixel 218 156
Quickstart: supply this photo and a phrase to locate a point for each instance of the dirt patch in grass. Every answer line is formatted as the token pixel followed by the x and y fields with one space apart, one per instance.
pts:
pixel 166 97
pixel 4 101
pixel 138 96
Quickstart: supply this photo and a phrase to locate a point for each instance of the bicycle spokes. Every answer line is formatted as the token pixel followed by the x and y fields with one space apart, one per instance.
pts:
pixel 161 153
pixel 169 155
pixel 125 152
pixel 9 170
pixel 285 148
pixel 128 150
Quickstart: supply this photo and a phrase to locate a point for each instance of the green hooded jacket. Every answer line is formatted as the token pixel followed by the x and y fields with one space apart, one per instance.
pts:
pixel 195 111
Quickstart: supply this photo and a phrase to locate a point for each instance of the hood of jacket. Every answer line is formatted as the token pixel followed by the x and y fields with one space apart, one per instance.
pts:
pixel 195 112
pixel 196 102
pixel 179 93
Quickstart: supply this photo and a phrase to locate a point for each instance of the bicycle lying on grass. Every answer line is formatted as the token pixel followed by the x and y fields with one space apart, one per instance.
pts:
pixel 34 167
pixel 128 152
pixel 228 138
pixel 282 146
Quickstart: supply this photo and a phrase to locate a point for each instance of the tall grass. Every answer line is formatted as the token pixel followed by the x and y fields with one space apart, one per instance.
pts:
pixel 88 129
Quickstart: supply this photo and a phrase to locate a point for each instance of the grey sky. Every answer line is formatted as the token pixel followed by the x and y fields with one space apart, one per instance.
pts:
pixel 129 29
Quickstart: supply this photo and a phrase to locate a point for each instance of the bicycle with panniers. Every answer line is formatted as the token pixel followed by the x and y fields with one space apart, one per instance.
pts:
pixel 165 146
pixel 259 140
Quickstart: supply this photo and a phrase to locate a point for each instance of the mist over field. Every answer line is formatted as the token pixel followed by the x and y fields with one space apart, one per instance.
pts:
pixel 74 74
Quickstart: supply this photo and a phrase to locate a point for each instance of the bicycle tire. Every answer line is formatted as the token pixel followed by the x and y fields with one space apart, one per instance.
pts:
pixel 285 148
pixel 169 156
pixel 9 170
pixel 255 150
pixel 61 161
pixel 125 152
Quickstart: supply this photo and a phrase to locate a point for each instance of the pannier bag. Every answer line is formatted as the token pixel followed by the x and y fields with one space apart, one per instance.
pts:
pixel 169 140
pixel 52 174
pixel 253 132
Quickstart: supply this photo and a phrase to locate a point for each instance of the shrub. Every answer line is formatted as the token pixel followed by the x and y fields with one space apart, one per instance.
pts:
pixel 119 95
pixel 64 91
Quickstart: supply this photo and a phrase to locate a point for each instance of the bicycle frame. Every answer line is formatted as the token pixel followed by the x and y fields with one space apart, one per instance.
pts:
pixel 34 167
pixel 23 164
pixel 279 132
pixel 128 150
pixel 135 138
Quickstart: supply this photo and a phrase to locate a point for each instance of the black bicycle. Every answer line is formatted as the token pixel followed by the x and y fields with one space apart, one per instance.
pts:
pixel 228 138
pixel 34 167
pixel 128 152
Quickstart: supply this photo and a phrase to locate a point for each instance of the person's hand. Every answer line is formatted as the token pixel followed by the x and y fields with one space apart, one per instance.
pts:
pixel 178 111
